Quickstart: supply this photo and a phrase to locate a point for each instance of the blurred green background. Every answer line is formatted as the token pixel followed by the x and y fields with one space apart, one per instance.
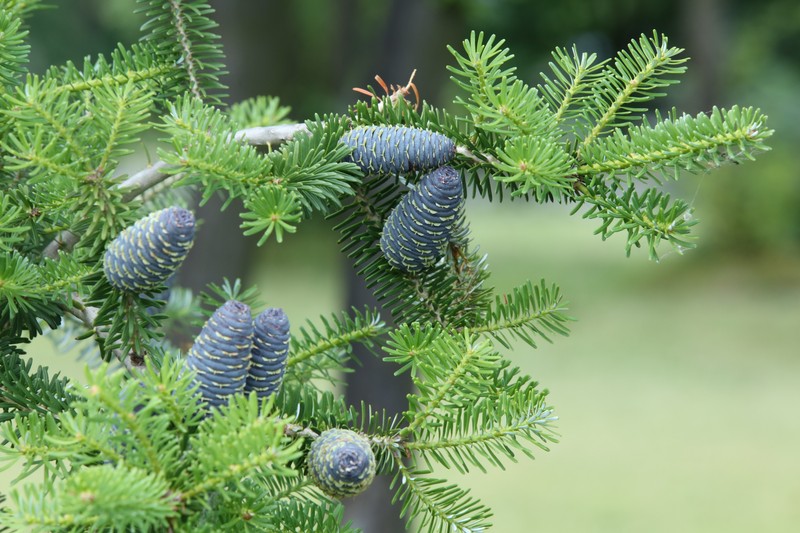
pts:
pixel 679 389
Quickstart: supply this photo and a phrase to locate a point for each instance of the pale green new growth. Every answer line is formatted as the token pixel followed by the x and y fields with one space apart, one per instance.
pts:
pixel 694 144
pixel 634 76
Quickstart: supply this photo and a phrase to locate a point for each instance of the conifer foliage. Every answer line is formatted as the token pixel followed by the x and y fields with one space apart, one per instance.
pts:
pixel 243 433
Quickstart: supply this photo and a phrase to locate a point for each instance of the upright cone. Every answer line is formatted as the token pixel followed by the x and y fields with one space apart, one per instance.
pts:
pixel 145 254
pixel 220 355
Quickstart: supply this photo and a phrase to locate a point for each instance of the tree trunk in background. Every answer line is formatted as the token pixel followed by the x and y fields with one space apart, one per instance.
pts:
pixel 219 250
pixel 374 382
pixel 413 30
pixel 705 37
pixel 278 48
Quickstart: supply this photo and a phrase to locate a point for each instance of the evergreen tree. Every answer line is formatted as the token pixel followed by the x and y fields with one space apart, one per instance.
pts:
pixel 153 440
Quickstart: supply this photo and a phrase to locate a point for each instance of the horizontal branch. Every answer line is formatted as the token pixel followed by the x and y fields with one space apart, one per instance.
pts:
pixel 483 158
pixel 270 135
pixel 342 339
pixel 146 179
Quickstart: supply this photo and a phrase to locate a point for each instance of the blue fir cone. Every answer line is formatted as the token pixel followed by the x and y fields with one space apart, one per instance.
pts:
pixel 270 350
pixel 397 149
pixel 145 254
pixel 341 463
pixel 220 355
pixel 416 232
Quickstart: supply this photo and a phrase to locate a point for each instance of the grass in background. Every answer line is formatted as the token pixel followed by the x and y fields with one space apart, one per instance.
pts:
pixel 677 391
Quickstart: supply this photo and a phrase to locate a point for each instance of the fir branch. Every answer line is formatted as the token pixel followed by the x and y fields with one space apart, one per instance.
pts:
pixel 85 444
pixel 261 447
pixel 166 379
pixel 452 291
pixel 313 412
pixel 260 502
pixel 140 65
pixel 127 322
pixel 216 296
pixel 103 399
pixel 650 216
pixel 118 115
pixel 36 440
pixel 477 149
pixel 437 505
pixel 3 510
pixel 203 153
pixel 324 517
pixel 446 368
pixel 536 165
pixel 11 223
pixel 496 427
pixel 312 166
pixel 23 391
pixel 483 64
pixel 695 144
pixel 259 112
pixel 287 489
pixel 141 422
pixel 636 76
pixel 37 102
pixel 498 102
pixel 144 180
pixel 102 497
pixel 571 85
pixel 13 48
pixel 180 22
pixel 271 209
pixel 530 311
pixel 22 303
pixel 37 151
pixel 21 8
pixel 182 31
pixel 87 315
pixel 322 351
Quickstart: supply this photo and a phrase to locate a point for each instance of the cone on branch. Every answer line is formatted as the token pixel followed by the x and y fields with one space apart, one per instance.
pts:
pixel 144 255
pixel 220 355
pixel 341 463
pixel 418 229
pixel 397 149
pixel 270 350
